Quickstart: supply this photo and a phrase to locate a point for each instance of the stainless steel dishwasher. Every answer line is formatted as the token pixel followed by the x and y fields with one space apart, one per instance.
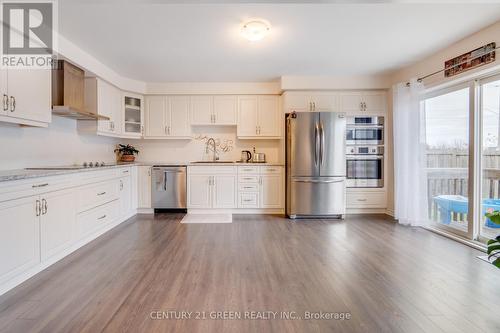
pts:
pixel 168 187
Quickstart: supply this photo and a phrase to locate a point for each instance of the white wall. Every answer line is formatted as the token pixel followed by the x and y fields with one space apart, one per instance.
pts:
pixel 182 151
pixel 60 144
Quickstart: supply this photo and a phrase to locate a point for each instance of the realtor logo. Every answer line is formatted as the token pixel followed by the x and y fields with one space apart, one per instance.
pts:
pixel 28 33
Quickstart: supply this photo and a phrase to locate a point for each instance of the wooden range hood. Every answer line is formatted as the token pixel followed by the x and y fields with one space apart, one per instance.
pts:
pixel 68 93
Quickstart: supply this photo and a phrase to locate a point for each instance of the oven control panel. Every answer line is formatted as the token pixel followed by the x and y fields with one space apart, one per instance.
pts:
pixel 364 150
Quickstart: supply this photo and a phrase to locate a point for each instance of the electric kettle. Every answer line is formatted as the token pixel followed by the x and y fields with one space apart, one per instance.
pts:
pixel 246 156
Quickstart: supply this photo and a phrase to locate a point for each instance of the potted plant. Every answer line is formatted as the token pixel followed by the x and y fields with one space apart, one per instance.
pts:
pixel 494 244
pixel 126 152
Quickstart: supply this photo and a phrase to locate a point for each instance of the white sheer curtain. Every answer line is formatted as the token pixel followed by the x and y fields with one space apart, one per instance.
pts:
pixel 410 184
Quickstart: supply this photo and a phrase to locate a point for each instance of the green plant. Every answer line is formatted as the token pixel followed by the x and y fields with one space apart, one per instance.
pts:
pixel 494 244
pixel 126 150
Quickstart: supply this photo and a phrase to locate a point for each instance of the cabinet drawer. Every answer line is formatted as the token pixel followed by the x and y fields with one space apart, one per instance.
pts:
pixel 248 179
pixel 211 170
pixel 93 220
pixel 248 200
pixel 97 194
pixel 248 169
pixel 270 169
pixel 366 200
pixel 248 187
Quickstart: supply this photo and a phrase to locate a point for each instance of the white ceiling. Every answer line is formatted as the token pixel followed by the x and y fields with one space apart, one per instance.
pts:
pixel 201 42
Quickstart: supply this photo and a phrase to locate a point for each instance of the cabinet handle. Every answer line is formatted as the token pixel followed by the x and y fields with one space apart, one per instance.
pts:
pixel 361 200
pixel 40 185
pixel 169 130
pixel 44 206
pixel 125 171
pixel 5 102
pixel 247 187
pixel 121 185
pixel 102 217
pixel 102 193
pixel 314 106
pixel 260 180
pixel 12 104
pixel 247 200
pixel 37 208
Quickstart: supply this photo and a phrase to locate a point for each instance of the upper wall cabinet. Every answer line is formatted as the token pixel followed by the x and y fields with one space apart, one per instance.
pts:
pixel 259 117
pixel 213 110
pixel 26 96
pixel 103 99
pixel 307 101
pixel 133 115
pixel 167 117
pixel 363 102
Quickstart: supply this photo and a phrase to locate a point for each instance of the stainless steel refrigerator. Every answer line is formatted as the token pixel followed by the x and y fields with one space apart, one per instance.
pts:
pixel 315 164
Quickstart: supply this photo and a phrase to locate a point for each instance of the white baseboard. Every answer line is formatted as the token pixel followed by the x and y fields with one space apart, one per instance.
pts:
pixel 366 211
pixel 145 211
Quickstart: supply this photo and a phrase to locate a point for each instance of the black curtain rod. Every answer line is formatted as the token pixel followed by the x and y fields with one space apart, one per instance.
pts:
pixel 420 79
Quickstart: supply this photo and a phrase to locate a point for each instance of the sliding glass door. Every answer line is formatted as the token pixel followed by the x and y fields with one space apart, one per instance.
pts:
pixel 490 162
pixel 447 123
pixel 462 139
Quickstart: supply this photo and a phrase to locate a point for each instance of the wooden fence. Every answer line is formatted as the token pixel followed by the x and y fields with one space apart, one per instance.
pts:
pixel 447 173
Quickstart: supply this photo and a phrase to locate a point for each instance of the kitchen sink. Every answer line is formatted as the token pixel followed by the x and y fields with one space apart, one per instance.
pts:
pixel 211 162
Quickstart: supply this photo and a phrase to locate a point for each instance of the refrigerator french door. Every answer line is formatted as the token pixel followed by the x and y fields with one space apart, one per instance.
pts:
pixel 316 164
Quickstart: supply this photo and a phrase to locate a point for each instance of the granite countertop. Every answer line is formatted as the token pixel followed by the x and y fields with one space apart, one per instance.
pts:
pixel 10 175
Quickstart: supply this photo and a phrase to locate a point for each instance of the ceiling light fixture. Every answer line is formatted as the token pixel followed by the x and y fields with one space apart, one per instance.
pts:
pixel 255 29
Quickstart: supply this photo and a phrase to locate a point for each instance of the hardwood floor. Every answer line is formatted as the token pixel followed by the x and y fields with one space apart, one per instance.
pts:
pixel 386 277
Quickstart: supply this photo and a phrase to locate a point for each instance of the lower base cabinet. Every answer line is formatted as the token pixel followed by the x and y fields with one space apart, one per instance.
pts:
pixel 211 187
pixel 228 187
pixel 57 222
pixel 38 230
pixel 19 237
pixel 144 186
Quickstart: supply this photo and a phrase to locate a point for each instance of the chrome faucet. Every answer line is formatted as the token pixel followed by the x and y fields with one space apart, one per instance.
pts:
pixel 212 140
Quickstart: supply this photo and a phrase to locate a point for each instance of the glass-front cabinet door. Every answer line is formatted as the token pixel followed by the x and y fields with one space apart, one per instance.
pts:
pixel 133 106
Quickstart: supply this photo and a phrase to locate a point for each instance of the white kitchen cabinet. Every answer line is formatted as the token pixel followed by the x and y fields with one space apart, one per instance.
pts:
pixel 57 222
pixel 156 113
pixel 199 189
pixel 366 199
pixel 125 196
pixel 260 187
pixel 211 187
pixel 19 237
pixel 178 119
pixel 26 96
pixel 144 186
pixel 202 110
pixel 224 191
pixel 361 102
pixel 133 115
pixel 307 101
pixel 167 117
pixel 103 99
pixel 225 109
pixel 271 191
pixel 213 110
pixel 258 117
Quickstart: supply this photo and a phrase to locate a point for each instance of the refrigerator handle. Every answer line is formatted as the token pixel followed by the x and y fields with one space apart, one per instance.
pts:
pixel 165 175
pixel 322 144
pixel 316 143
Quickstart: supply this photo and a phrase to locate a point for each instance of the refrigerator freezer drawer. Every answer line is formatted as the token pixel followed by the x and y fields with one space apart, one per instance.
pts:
pixel 311 197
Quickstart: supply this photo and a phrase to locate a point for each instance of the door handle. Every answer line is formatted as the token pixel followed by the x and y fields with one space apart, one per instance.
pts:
pixel 37 208
pixel 322 144
pixel 44 207
pixel 5 102
pixel 316 144
pixel 318 181
pixel 12 104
